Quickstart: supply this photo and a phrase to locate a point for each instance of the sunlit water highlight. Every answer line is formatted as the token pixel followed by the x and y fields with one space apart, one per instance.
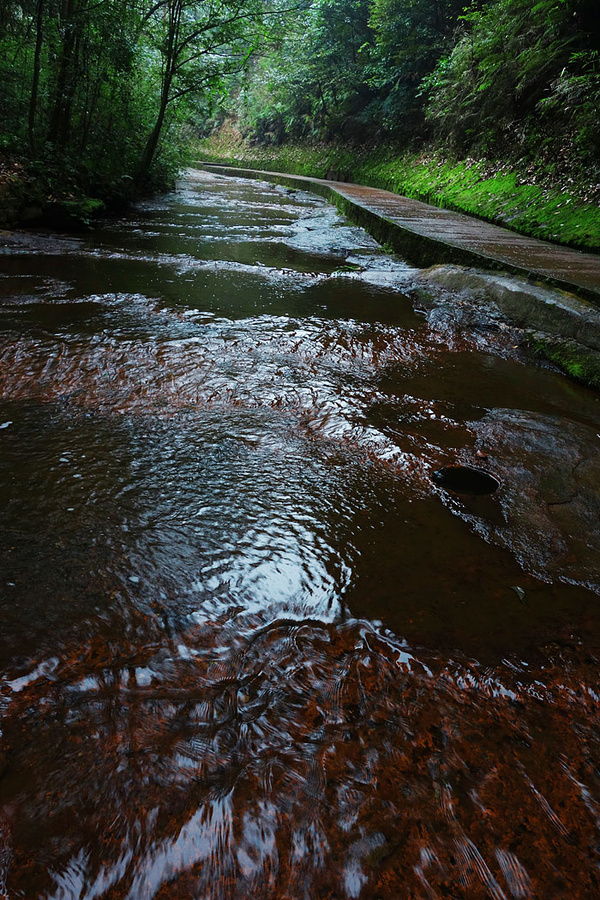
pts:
pixel 249 648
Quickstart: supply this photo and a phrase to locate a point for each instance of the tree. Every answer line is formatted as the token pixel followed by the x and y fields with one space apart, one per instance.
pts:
pixel 503 65
pixel 351 68
pixel 91 85
pixel 311 82
pixel 198 43
pixel 410 36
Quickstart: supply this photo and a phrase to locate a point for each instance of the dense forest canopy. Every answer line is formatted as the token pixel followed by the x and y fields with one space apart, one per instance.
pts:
pixel 96 84
pixel 491 76
pixel 113 88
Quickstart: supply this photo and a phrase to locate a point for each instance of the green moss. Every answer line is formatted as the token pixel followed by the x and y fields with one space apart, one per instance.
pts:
pixel 581 363
pixel 86 209
pixel 530 204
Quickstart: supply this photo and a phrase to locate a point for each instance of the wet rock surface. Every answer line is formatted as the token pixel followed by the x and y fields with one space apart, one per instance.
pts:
pixel 428 235
pixel 557 326
pixel 550 501
pixel 525 304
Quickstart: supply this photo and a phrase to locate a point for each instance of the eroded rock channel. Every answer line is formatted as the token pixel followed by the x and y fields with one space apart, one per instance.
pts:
pixel 250 645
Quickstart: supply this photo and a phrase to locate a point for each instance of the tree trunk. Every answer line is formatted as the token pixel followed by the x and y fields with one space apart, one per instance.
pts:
pixel 175 14
pixel 90 111
pixel 152 142
pixel 35 84
pixel 60 122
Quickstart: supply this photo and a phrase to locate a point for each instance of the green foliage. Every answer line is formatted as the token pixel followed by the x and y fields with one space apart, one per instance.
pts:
pixel 99 89
pixel 574 100
pixel 519 74
pixel 409 37
pixel 77 96
pixel 501 78
pixel 347 68
pixel 310 83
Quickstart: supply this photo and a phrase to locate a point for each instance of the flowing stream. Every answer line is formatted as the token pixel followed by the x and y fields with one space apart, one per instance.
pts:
pixel 249 645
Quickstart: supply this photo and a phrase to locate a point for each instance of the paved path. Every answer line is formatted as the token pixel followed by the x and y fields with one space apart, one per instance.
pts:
pixel 426 234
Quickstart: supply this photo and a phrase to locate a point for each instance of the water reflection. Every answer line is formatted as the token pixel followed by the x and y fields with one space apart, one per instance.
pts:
pixel 300 759
pixel 248 648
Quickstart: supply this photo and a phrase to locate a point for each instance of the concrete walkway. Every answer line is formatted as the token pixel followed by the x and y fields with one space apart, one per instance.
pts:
pixel 425 235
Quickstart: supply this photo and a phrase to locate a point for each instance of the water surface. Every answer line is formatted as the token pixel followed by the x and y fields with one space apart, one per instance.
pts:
pixel 248 646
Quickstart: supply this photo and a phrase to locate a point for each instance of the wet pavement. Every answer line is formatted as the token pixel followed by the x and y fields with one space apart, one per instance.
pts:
pixel 251 644
pixel 481 243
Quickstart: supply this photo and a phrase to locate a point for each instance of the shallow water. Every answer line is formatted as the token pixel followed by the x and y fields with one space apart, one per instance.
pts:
pixel 249 647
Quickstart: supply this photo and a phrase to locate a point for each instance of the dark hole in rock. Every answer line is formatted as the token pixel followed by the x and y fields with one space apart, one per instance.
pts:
pixel 465 480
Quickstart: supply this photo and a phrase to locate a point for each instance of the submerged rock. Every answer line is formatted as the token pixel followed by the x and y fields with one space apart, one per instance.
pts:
pixel 525 303
pixel 549 497
pixel 561 327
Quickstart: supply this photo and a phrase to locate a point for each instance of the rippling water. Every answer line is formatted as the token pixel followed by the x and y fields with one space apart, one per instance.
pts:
pixel 248 647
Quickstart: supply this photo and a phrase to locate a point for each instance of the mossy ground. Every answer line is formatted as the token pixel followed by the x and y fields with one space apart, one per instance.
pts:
pixel 525 199
pixel 580 363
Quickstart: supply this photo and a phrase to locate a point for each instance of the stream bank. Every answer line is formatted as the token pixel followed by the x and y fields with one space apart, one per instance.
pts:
pixel 32 197
pixel 61 197
pixel 520 197
pixel 554 299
